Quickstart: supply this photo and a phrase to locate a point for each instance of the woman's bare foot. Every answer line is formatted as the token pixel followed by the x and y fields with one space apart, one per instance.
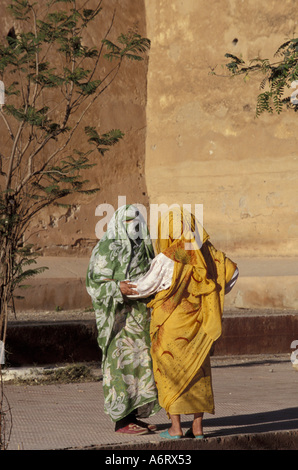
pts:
pixel 175 429
pixel 197 425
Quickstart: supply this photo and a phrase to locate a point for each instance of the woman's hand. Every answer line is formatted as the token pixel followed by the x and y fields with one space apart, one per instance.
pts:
pixel 127 288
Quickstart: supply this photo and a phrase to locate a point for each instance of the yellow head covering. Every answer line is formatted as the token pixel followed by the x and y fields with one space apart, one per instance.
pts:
pixel 176 225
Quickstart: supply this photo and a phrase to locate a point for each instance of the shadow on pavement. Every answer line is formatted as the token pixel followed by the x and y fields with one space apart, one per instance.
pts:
pixel 278 420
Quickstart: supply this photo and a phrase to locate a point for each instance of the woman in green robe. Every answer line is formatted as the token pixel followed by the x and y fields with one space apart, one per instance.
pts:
pixel 124 252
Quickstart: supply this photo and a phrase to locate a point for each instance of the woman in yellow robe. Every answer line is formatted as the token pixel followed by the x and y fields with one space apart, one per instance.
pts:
pixel 186 318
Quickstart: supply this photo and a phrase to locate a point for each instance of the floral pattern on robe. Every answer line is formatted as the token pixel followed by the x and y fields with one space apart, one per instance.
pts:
pixel 123 324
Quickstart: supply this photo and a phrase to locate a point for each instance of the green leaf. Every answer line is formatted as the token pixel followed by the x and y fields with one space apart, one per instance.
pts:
pixel 89 88
pixel 103 141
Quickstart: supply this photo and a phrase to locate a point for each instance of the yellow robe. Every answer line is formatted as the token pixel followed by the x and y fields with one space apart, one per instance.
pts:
pixel 186 318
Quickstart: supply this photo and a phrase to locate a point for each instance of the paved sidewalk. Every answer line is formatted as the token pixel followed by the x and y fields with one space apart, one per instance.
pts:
pixel 254 396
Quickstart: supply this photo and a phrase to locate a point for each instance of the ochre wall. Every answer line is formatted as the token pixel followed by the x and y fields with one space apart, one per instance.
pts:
pixel 191 137
pixel 204 144
pixel 71 232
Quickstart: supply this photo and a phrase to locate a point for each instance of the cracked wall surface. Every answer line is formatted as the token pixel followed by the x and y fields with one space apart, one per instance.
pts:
pixel 204 144
pixel 191 137
pixel 58 231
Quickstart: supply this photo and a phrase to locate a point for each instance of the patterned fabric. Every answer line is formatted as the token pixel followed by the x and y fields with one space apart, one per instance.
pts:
pixel 186 318
pixel 124 252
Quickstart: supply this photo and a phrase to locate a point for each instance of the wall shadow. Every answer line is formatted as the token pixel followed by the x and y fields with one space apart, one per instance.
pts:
pixel 278 420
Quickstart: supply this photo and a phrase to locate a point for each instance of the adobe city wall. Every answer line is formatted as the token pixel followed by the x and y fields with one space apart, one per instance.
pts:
pixel 204 144
pixel 71 232
pixel 190 137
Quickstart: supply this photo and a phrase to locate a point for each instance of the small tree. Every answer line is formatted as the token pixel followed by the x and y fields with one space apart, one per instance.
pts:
pixel 279 76
pixel 48 58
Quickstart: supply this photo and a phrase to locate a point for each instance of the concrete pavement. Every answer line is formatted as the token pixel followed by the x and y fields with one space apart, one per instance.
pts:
pixel 255 384
pixel 256 408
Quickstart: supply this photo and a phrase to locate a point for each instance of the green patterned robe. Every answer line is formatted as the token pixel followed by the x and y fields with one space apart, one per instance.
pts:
pixel 123 325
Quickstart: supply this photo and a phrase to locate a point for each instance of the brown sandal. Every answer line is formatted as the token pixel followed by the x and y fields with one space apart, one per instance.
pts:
pixel 133 428
pixel 151 427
